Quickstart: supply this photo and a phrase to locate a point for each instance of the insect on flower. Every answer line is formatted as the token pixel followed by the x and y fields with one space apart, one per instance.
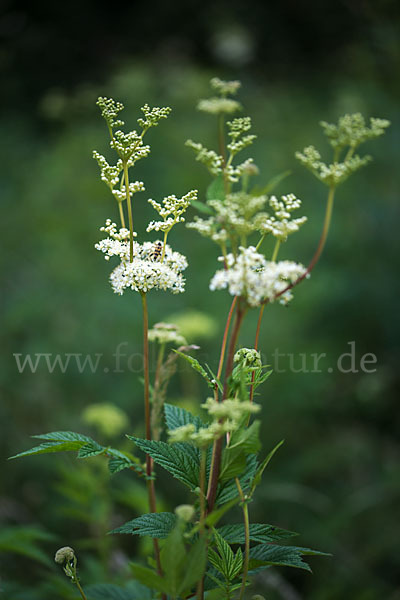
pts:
pixel 156 251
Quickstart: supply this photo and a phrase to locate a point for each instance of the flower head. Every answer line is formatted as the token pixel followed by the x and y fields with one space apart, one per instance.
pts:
pixel 251 276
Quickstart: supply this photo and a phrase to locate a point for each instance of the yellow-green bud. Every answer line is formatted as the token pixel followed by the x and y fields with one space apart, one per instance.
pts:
pixel 64 554
pixel 185 512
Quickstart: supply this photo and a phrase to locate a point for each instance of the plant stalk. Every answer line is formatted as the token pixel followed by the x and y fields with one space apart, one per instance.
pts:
pixel 128 202
pixel 246 538
pixel 217 448
pixel 149 461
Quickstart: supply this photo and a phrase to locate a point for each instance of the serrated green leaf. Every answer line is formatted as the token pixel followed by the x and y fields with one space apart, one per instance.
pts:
pixel 194 363
pixel 227 491
pixel 234 534
pixel 173 459
pixel 285 556
pixel 155 525
pixel 57 441
pixel 123 460
pixel 258 475
pixel 233 463
pixel 216 189
pixel 91 449
pixel 149 578
pixel 227 562
pixel 48 447
pixel 237 564
pixel 247 438
pixel 175 417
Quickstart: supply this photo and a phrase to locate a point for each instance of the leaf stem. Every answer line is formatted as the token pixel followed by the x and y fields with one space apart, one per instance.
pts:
pixel 202 484
pixel 321 243
pixel 246 522
pixel 121 214
pixel 217 448
pixel 149 461
pixel 276 250
pixel 128 202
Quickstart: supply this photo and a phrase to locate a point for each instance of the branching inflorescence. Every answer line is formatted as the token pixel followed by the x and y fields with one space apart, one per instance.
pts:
pixel 216 458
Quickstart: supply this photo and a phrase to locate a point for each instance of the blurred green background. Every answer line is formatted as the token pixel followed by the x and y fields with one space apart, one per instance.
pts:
pixel 336 479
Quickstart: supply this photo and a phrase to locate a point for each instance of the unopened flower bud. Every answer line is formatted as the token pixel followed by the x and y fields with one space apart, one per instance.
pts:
pixel 64 554
pixel 185 512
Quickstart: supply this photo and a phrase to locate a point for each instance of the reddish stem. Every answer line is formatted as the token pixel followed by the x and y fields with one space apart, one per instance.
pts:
pixel 217 449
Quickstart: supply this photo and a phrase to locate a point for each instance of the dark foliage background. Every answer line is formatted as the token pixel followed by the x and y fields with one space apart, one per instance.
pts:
pixel 336 480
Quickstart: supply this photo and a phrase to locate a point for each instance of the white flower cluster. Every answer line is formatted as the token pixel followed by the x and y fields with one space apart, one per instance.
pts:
pixel 251 276
pixel 166 333
pixel 209 228
pixel 152 116
pixel 226 416
pixel 218 106
pixel 237 128
pixel 209 158
pixel 109 111
pixel 281 224
pixel 352 130
pixel 135 186
pixel 129 146
pixel 225 88
pixel 171 211
pixel 145 272
pixel 334 173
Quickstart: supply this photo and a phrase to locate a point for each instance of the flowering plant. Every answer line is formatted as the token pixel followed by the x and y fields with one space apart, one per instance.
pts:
pixel 215 457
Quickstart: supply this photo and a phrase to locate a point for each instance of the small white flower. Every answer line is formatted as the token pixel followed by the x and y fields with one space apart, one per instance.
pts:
pixel 250 275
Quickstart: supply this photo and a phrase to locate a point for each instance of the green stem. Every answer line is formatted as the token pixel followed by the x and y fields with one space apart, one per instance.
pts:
pixel 260 242
pixel 82 593
pixel 121 214
pixel 164 244
pixel 202 486
pixel 156 404
pixel 246 538
pixel 217 447
pixel 149 462
pixel 128 202
pixel 321 243
pixel 276 250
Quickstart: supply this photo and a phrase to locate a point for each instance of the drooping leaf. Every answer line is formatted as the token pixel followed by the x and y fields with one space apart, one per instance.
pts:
pixel 195 564
pixel 201 207
pixel 108 591
pixel 234 534
pixel 155 525
pixel 173 559
pixel 216 189
pixel 194 363
pixel 258 475
pixel 271 185
pixel 172 458
pixel 25 541
pixel 149 578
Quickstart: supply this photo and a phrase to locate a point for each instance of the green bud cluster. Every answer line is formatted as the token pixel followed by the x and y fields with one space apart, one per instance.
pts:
pixel 345 136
